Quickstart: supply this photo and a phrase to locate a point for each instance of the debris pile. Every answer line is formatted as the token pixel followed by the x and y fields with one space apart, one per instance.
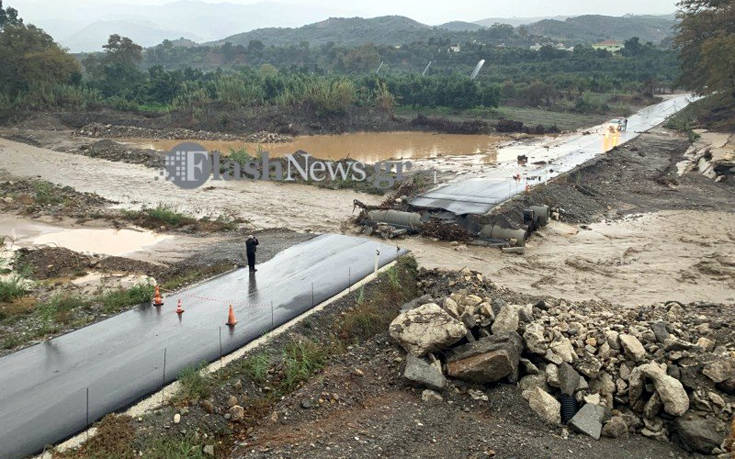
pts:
pixel 666 371
pixel 116 131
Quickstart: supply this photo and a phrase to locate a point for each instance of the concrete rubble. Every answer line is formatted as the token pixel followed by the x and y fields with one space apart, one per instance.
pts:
pixel 656 370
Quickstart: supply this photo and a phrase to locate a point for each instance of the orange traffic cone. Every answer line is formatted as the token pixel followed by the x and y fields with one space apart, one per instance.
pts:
pixel 231 321
pixel 179 308
pixel 157 300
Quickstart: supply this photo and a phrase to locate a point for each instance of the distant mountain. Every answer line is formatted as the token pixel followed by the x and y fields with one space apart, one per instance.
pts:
pixel 594 28
pixel 384 30
pixel 460 26
pixel 515 21
pixel 195 19
pixel 92 37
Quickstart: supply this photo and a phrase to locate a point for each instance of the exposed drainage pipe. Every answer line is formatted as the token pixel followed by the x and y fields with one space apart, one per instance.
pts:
pixel 542 214
pixel 500 232
pixel 410 220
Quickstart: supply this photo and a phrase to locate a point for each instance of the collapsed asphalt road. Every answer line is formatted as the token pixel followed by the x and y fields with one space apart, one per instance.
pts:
pixel 55 389
pixel 480 194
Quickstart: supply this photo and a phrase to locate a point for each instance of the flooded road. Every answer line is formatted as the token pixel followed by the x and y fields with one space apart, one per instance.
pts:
pixel 546 158
pixel 368 147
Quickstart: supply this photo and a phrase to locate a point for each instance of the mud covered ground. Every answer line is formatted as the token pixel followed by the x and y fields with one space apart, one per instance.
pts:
pixel 630 231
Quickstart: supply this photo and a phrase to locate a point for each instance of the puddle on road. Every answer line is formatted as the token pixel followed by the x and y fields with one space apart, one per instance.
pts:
pixel 115 242
pixel 368 147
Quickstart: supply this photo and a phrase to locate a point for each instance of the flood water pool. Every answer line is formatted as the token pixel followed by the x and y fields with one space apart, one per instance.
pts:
pixel 369 147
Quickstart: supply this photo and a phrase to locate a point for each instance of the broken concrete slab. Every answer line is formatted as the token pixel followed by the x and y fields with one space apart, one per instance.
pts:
pixel 421 372
pixel 588 420
pixel 487 360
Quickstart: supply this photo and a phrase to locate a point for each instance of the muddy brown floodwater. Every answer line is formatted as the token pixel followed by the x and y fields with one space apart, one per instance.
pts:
pixel 368 147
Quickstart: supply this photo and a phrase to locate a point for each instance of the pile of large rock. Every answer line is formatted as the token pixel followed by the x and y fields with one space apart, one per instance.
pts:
pixel 658 370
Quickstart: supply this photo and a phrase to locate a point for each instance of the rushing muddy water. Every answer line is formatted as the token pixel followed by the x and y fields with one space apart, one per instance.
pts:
pixel 368 147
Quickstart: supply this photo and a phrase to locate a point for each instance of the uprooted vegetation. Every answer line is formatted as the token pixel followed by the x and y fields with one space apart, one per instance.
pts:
pixel 218 408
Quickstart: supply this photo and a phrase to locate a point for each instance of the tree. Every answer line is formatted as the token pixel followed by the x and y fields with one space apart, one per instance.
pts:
pixel 29 57
pixel 632 47
pixel 706 34
pixel 9 16
pixel 116 72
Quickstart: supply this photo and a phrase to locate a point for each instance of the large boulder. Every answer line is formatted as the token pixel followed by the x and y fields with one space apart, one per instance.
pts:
pixel 486 360
pixel 697 433
pixel 427 328
pixel 671 392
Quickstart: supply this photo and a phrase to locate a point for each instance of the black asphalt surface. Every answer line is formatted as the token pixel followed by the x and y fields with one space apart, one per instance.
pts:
pixel 43 388
pixel 480 194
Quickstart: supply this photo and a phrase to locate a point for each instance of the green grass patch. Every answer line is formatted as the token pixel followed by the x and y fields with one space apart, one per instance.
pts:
pixel 301 359
pixel 376 306
pixel 195 385
pixel 256 367
pixel 12 288
pixel 172 448
pixel 45 193
pixel 117 300
pixel 59 308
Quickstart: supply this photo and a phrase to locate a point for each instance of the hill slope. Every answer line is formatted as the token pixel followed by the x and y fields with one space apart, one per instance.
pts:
pixel 594 28
pixel 384 30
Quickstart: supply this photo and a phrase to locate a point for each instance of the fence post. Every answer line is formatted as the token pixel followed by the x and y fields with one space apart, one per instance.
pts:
pixel 163 377
pixel 87 412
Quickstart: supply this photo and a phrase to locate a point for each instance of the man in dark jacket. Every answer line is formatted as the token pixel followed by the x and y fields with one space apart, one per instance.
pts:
pixel 250 247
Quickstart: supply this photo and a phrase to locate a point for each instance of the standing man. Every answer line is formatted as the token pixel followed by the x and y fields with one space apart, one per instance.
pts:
pixel 250 247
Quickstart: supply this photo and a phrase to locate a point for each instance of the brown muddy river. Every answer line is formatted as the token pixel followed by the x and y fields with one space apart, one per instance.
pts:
pixel 368 147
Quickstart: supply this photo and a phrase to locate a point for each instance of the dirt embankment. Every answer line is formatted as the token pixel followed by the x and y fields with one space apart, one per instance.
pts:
pixel 351 400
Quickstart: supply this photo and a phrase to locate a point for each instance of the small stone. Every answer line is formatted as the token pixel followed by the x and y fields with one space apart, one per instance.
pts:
pixel 660 331
pixel 533 336
pixel 237 413
pixel 238 385
pixel 705 344
pixel 568 379
pixel 208 450
pixel 615 427
pixel 231 401
pixel 564 349
pixel 632 347
pixel 207 406
pixel 720 370
pixel 544 405
pixel 429 396
pixel 552 375
pixel 507 320
pixel 177 418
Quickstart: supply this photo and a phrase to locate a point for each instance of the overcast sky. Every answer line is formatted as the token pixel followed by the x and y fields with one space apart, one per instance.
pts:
pixel 427 11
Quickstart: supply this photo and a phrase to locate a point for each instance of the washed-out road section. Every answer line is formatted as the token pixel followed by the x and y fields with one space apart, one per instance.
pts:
pixel 478 195
pixel 54 389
